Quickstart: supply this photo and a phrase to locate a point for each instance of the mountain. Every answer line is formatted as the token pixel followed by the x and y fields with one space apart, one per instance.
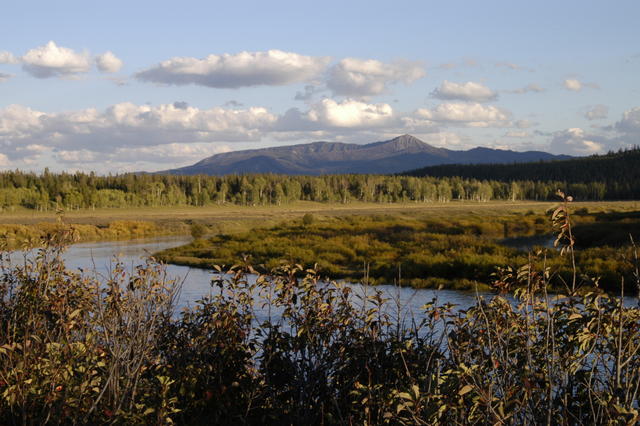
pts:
pixel 393 156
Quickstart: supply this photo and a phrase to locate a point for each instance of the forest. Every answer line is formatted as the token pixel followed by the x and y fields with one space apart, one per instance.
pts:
pixel 617 172
pixel 47 191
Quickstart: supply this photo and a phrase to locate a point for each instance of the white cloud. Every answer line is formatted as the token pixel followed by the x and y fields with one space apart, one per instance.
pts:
pixel 597 112
pixel 7 58
pixel 4 161
pixel 368 77
pixel 626 133
pixel 108 62
pixel 469 91
pixel 465 114
pixel 573 84
pixel 4 77
pixel 575 141
pixel 273 67
pixel 71 136
pixel 78 156
pixel 576 85
pixel 52 60
pixel 171 153
pixel 448 140
pixel 329 113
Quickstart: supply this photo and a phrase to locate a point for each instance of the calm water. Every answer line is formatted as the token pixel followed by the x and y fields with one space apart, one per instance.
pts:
pixel 196 282
pixel 101 256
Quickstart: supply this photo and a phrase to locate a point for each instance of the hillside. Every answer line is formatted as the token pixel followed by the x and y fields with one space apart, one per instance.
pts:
pixel 392 156
pixel 619 171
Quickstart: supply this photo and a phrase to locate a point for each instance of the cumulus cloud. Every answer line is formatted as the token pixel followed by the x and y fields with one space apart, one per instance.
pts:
pixel 328 113
pixel 73 135
pixel 596 112
pixel 4 160
pixel 575 141
pixel 465 114
pixel 469 91
pixel 173 153
pixel 625 134
pixel 52 60
pixel 368 77
pixel 576 85
pixel 108 62
pixel 4 77
pixel 271 68
pixel 529 88
pixel 78 156
pixel 630 123
pixel 573 84
pixel 7 58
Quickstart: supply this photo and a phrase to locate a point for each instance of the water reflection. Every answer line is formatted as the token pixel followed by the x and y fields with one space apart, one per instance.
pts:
pixel 100 256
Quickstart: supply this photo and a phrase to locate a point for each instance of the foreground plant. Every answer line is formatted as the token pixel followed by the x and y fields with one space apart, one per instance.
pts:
pixel 289 348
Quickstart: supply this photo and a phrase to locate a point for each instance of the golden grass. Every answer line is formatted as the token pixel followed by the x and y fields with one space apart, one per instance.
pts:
pixel 234 212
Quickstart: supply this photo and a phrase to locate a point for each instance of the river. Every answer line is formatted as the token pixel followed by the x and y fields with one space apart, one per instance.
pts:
pixel 196 281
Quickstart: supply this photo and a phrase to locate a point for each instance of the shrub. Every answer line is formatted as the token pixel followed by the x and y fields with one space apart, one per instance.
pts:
pixel 289 348
pixel 308 219
pixel 198 231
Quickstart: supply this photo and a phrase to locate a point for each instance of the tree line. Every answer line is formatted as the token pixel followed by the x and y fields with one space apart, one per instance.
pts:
pixel 48 190
pixel 617 173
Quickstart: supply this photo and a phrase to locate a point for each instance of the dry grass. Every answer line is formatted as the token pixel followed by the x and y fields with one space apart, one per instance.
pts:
pixel 294 210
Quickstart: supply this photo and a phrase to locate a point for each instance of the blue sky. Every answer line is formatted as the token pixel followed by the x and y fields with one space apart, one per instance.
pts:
pixel 140 85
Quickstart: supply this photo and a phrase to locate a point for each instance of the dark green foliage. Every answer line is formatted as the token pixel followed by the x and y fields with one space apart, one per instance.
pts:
pixel 614 176
pixel 87 191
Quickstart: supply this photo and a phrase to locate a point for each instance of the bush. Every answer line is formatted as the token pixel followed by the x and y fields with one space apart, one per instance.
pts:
pixel 308 219
pixel 288 348
pixel 198 231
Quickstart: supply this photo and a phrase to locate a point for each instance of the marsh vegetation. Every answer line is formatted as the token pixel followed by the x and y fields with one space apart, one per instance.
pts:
pixel 421 251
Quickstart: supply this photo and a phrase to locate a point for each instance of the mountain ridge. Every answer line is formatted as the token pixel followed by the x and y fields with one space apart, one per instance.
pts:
pixel 402 153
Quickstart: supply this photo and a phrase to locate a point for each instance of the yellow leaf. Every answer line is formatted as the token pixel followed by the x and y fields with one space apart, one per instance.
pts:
pixel 465 389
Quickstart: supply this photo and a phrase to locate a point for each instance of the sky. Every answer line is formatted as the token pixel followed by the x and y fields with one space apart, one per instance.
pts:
pixel 119 86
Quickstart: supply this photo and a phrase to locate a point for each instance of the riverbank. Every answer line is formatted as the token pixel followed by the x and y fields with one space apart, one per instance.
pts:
pixel 419 250
pixel 315 353
pixel 454 245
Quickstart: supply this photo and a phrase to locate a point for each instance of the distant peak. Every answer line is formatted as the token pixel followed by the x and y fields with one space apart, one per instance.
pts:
pixel 407 140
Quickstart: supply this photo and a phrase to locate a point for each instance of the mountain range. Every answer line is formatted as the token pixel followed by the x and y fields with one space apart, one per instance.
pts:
pixel 399 154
